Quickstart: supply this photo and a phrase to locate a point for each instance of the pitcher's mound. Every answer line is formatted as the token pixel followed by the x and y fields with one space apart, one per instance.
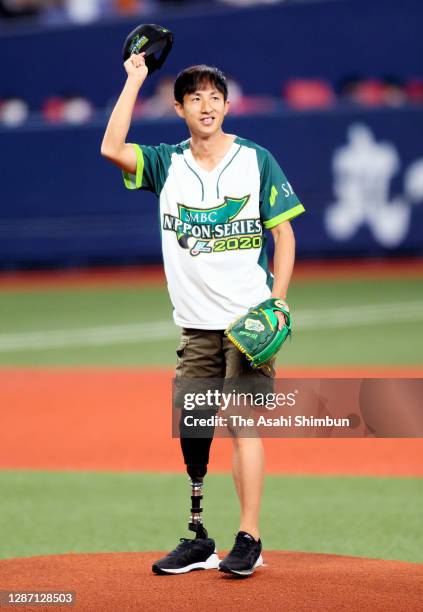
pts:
pixel 288 581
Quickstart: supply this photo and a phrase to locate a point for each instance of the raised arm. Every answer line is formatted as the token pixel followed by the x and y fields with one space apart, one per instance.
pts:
pixel 114 146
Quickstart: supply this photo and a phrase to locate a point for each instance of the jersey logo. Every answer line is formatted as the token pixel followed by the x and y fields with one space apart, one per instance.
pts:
pixel 227 211
pixel 273 195
pixel 211 230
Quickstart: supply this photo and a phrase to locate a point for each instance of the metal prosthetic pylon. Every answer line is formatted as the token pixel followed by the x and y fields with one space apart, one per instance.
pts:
pixel 196 523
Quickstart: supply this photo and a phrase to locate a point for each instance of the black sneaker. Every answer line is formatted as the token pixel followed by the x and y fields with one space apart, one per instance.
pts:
pixel 244 557
pixel 189 555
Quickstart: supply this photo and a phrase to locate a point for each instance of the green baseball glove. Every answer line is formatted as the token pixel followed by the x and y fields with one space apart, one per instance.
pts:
pixel 256 334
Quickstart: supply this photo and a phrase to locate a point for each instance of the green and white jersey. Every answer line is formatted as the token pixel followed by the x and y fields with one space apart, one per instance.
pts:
pixel 212 227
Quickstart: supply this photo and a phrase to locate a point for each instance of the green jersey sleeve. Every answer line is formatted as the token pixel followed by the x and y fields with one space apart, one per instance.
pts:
pixel 152 167
pixel 278 202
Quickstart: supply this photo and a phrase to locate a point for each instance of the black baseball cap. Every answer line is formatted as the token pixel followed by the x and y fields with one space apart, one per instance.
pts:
pixel 153 40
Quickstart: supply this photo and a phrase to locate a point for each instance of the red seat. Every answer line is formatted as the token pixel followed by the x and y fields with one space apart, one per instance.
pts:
pixel 308 93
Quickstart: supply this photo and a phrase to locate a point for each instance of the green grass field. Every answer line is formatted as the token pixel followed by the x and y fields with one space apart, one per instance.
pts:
pixel 352 322
pixel 56 512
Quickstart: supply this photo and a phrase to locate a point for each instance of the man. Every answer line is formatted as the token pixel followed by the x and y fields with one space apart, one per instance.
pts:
pixel 216 193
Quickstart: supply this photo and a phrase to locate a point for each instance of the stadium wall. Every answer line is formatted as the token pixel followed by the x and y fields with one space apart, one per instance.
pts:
pixel 359 172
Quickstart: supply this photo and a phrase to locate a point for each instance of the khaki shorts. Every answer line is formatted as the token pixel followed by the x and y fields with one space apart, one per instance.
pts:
pixel 209 354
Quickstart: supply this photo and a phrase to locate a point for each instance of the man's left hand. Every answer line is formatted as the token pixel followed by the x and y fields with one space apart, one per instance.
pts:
pixel 281 318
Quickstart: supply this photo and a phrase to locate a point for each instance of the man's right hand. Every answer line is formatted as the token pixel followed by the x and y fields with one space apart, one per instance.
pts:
pixel 136 68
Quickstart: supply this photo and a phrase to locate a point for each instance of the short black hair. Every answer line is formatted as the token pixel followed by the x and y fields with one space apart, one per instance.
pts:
pixel 189 80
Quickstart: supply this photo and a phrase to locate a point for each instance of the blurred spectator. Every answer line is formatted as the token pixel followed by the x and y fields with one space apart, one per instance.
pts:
pixel 84 11
pixel 394 93
pixel 414 90
pixel 127 7
pixel 77 11
pixel 20 8
pixel 369 92
pixel 389 91
pixel 305 94
pixel 53 108
pixel 77 110
pixel 365 91
pixel 244 105
pixel 161 104
pixel 250 2
pixel 71 108
pixel 53 12
pixel 182 2
pixel 13 112
pixel 347 86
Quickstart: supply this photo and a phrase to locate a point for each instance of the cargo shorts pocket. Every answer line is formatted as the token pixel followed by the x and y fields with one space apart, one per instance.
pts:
pixel 180 351
pixel 181 348
pixel 180 380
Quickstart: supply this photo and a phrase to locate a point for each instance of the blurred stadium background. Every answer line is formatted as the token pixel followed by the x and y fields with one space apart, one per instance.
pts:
pixel 334 88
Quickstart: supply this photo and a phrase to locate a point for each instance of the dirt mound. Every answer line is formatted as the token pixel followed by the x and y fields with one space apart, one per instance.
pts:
pixel 289 581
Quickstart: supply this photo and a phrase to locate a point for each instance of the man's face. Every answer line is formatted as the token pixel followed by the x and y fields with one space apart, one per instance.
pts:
pixel 203 110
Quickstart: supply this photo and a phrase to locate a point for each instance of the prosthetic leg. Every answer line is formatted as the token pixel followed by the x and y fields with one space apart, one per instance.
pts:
pixel 196 456
pixel 199 552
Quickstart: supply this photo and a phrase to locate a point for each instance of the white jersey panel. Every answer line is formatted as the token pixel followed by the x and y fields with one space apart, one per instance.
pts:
pixel 213 275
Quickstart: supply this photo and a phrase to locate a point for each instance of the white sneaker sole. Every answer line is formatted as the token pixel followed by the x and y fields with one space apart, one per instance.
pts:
pixel 211 563
pixel 258 563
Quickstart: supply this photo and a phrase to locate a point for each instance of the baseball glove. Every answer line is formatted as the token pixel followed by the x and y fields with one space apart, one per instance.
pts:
pixel 256 334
